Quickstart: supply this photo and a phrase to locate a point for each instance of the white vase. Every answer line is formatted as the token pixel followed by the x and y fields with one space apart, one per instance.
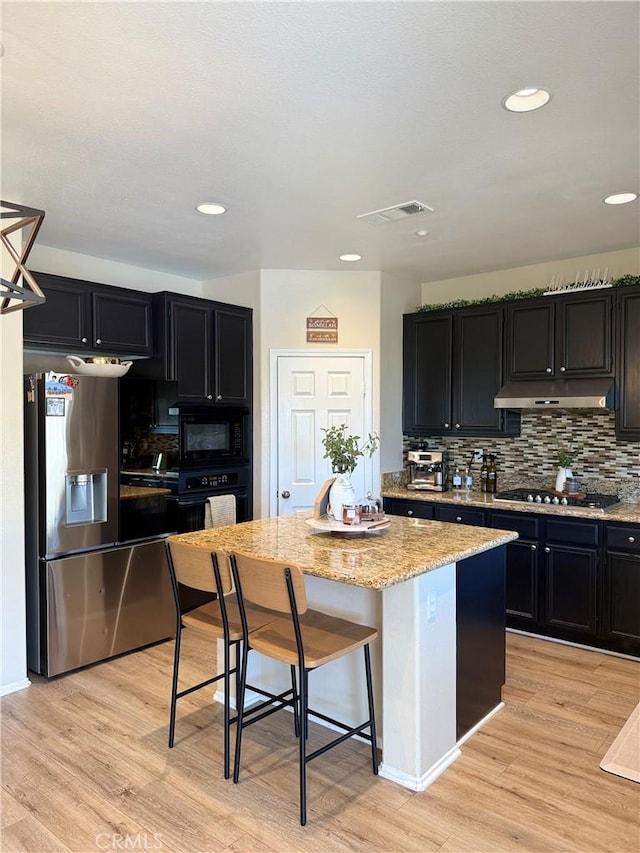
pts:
pixel 340 493
pixel 561 479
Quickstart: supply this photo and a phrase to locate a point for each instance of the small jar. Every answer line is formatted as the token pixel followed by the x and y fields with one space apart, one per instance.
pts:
pixel 350 514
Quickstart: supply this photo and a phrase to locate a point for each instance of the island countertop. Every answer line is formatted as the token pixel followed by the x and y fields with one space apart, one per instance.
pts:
pixel 408 548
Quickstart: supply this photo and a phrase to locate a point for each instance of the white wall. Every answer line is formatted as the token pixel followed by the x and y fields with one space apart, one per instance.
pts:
pixel 623 262
pixel 287 298
pixel 400 295
pixel 103 271
pixel 13 672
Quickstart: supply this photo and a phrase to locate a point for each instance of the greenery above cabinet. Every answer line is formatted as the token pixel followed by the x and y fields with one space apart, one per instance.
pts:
pixel 623 281
pixel 88 317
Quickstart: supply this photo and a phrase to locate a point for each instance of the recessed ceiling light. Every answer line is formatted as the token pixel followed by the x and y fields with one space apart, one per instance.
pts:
pixel 211 208
pixel 621 198
pixel 525 100
pixel 350 258
pixel 421 233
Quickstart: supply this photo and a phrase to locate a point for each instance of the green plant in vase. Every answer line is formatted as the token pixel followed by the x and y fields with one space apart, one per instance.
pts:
pixel 565 460
pixel 343 451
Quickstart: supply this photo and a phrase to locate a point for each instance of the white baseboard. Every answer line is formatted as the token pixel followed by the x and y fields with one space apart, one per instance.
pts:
pixel 569 643
pixel 420 783
pixel 14 687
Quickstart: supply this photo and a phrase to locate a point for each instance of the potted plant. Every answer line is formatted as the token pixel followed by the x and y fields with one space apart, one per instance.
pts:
pixel 565 460
pixel 343 451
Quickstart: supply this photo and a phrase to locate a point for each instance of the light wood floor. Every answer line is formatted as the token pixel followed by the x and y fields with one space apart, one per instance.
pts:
pixel 85 767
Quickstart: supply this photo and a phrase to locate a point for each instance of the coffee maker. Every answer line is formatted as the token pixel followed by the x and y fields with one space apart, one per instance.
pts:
pixel 427 470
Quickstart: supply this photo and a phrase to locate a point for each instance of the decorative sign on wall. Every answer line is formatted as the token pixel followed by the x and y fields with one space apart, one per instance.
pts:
pixel 322 330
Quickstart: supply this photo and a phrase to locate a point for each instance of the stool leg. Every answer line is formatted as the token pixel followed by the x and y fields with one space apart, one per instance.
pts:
pixel 174 686
pixel 372 716
pixel 302 743
pixel 294 691
pixel 227 713
pixel 240 711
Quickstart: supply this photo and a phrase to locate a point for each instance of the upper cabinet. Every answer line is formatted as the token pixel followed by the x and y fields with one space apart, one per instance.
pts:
pixel 206 347
pixel 560 337
pixel 90 318
pixel 452 372
pixel 628 364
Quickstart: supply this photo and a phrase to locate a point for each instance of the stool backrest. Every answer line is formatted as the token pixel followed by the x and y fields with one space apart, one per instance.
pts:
pixel 264 582
pixel 193 567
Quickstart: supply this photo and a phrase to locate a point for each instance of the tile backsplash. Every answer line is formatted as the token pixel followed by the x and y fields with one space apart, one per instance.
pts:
pixel 602 464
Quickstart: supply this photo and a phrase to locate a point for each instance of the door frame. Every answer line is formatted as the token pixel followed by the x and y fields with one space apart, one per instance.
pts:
pixel 276 354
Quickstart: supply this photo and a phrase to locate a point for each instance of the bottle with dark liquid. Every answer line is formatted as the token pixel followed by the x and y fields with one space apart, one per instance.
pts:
pixel 492 475
pixel 484 475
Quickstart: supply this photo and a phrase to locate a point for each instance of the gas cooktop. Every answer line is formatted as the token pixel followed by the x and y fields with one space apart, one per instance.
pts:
pixel 590 500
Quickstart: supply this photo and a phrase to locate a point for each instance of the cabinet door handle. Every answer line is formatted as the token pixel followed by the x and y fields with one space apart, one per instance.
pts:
pixel 548 370
pixel 219 397
pixel 562 369
pixel 547 550
pixel 209 396
pixel 446 426
pixel 458 518
pixel 534 547
pixel 98 341
pixel 85 341
pixel 409 512
pixel 631 539
pixel 457 426
pixel 285 494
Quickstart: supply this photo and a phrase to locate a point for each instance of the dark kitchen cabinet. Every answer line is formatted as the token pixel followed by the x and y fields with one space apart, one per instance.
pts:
pixel 204 346
pixel 628 364
pixel 523 568
pixel 452 370
pixel 411 509
pixel 570 578
pixel 621 588
pixel 91 318
pixel 456 514
pixel 560 337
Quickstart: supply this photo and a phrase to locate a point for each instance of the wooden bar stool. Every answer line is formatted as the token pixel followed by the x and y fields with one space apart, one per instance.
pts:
pixel 197 569
pixel 299 637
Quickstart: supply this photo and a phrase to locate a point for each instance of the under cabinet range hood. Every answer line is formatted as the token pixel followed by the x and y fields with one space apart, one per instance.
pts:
pixel 556 394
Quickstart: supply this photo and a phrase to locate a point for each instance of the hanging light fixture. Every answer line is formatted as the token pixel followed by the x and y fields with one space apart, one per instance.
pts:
pixel 21 291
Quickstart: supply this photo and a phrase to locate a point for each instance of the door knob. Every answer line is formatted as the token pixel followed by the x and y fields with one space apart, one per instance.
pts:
pixel 285 494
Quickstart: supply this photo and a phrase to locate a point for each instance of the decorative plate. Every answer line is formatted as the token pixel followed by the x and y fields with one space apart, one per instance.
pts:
pixel 328 525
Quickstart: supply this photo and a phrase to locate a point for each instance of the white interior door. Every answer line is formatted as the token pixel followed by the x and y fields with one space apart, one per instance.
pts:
pixel 316 392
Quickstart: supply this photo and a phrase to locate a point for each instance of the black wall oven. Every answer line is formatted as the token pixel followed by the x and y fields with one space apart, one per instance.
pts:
pixel 186 505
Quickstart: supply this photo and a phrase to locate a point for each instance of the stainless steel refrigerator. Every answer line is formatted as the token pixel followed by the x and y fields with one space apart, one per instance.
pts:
pixel 89 596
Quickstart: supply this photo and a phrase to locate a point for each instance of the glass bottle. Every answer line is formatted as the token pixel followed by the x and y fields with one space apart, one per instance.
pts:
pixel 492 475
pixel 484 474
pixel 457 478
pixel 467 480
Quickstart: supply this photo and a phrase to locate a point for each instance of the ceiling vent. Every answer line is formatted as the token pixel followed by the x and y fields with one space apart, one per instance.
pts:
pixel 393 214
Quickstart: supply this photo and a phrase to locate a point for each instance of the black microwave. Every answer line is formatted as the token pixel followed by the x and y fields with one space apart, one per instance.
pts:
pixel 213 436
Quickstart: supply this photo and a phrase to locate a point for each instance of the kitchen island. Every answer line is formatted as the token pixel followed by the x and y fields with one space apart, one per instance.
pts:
pixel 435 591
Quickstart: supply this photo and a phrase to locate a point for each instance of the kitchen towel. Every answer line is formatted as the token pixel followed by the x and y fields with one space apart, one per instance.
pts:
pixel 623 757
pixel 220 510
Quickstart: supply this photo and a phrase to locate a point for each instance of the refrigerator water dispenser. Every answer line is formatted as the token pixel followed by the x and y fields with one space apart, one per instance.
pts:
pixel 86 497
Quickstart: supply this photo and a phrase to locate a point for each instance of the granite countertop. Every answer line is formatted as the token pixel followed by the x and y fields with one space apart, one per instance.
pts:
pixel 130 492
pixel 408 548
pixel 622 512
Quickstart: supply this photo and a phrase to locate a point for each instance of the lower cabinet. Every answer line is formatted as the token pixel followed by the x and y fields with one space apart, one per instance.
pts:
pixel 621 588
pixel 568 578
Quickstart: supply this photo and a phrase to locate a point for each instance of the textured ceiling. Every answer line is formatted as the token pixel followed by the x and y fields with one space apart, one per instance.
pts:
pixel 117 118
